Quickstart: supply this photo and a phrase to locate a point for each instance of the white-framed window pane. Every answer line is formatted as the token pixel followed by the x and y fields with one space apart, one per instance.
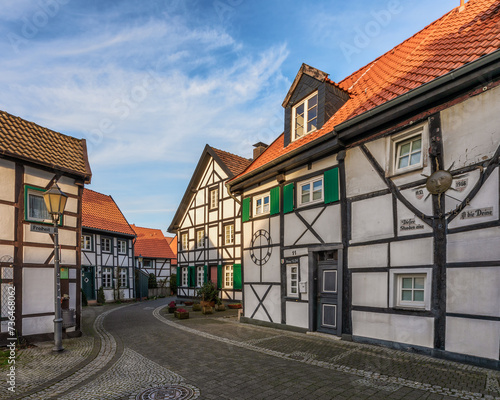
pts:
pixel 199 276
pixel 229 234
pixel 228 276
pixel 214 198
pixel 86 242
pixel 292 280
pixel 36 208
pixel 412 290
pixel 106 277
pixel 409 152
pixel 266 204
pixel 317 190
pixel 200 239
pixel 122 246
pixel 106 245
pixel 306 190
pixel 184 276
pixel 123 277
pixel 185 241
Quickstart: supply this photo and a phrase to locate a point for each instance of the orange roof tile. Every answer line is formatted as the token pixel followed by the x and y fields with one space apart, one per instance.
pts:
pixel 236 164
pixel 151 243
pixel 100 211
pixel 452 41
pixel 29 141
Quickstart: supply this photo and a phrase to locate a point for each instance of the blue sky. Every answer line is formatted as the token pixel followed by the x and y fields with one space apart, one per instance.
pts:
pixel 149 83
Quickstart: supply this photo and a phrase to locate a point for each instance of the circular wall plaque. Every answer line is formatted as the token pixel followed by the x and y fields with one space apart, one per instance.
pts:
pixel 261 247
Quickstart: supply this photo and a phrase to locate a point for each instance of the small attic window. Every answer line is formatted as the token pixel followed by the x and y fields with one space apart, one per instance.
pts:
pixel 305 116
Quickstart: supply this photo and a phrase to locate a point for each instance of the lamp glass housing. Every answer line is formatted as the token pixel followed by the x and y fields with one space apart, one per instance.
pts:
pixel 55 200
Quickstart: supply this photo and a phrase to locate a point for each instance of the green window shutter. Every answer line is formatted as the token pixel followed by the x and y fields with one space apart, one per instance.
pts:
pixel 245 212
pixel 275 201
pixel 192 276
pixel 205 273
pixel 237 281
pixel 178 276
pixel 331 178
pixel 219 276
pixel 288 198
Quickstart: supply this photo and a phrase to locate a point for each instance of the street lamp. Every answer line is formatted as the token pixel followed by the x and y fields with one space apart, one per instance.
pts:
pixel 55 201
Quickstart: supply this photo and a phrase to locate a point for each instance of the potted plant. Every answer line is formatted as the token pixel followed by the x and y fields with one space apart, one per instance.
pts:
pixel 189 303
pixel 172 307
pixel 220 306
pixel 181 313
pixel 208 294
pixel 234 305
pixel 196 306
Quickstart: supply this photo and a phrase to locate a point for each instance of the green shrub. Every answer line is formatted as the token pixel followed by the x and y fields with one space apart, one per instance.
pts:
pixel 101 299
pixel 173 283
pixel 152 281
pixel 84 299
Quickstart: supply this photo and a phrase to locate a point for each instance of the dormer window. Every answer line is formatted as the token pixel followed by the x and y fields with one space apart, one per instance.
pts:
pixel 305 116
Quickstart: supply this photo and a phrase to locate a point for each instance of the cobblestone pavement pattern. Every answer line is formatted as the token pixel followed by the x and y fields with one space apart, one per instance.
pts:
pixel 133 351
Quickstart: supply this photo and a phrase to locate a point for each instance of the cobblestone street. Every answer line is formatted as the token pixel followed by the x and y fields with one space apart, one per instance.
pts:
pixel 139 351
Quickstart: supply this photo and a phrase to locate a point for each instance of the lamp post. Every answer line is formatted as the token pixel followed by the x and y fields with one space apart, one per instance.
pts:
pixel 55 201
pixel 139 259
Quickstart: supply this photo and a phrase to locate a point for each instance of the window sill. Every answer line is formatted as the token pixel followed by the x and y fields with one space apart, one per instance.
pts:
pixel 411 308
pixel 418 168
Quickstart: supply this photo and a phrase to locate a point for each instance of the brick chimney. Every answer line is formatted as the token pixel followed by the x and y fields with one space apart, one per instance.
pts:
pixel 259 148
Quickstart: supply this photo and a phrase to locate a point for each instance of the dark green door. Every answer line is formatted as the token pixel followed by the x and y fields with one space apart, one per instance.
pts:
pixel 88 280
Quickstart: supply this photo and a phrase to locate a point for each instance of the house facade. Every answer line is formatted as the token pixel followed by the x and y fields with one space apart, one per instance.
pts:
pixel 32 159
pixel 107 246
pixel 208 227
pixel 383 225
pixel 153 254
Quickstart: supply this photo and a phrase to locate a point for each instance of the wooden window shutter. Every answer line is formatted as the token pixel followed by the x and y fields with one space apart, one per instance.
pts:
pixel 245 212
pixel 219 276
pixel 205 273
pixel 237 281
pixel 288 198
pixel 275 201
pixel 178 276
pixel 192 276
pixel 331 178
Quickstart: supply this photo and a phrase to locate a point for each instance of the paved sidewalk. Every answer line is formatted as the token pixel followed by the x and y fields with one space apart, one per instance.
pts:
pixel 139 351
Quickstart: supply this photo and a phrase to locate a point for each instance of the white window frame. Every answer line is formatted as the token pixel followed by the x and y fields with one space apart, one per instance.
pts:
pixel 36 193
pixel 397 140
pixel 395 283
pixel 148 261
pixel 291 281
pixel 120 243
pixel 103 247
pixel 311 183
pixel 261 210
pixel 107 277
pixel 184 276
pixel 213 198
pixel 229 234
pixel 184 241
pixel 306 116
pixel 228 276
pixel 200 239
pixel 122 276
pixel 200 274
pixel 87 242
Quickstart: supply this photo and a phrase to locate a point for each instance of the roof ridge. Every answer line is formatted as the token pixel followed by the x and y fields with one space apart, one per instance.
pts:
pixel 227 152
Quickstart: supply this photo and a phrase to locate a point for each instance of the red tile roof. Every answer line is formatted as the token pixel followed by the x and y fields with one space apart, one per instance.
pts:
pixel 236 164
pixel 100 211
pixel 173 246
pixel 26 140
pixel 452 41
pixel 151 243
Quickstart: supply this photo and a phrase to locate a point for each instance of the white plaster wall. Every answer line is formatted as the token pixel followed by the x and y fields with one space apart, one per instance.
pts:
pixel 477 245
pixel 329 225
pixel 271 271
pixel 67 185
pixel 68 257
pixel 109 295
pixel 378 148
pixel 370 256
pixel 252 271
pixel 36 237
pixel 88 258
pixel 297 314
pixel 71 205
pixel 418 331
pixel 38 325
pixel 67 238
pixel 372 219
pixel 247 234
pixel 422 204
pixel 369 289
pixel 412 252
pixel 272 303
pixel 213 237
pixel 7 222
pixel 6 250
pixel 220 171
pixel 200 215
pixel 7 180
pixel 72 295
pixel 72 273
pixel 36 255
pixel 212 216
pixel 293 229
pixel 228 208
pixel 474 337
pixel 37 177
pixel 486 197
pixel 471 129
pixel 38 290
pixel 361 177
pixel 473 291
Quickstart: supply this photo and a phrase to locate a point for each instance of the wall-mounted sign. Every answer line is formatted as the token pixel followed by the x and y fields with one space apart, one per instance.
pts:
pixel 409 224
pixel 478 213
pixel 42 229
pixel 419 194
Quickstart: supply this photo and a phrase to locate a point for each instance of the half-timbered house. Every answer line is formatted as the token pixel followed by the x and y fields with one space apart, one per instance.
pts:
pixel 208 227
pixel 32 159
pixel 107 249
pixel 383 191
pixel 153 254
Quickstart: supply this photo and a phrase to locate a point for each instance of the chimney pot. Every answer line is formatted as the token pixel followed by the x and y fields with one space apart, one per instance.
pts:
pixel 259 148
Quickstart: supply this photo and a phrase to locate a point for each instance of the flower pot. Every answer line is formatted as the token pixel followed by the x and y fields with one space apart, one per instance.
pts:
pixel 207 310
pixel 207 303
pixel 188 303
pixel 220 307
pixel 181 315
pixel 234 306
pixel 197 307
